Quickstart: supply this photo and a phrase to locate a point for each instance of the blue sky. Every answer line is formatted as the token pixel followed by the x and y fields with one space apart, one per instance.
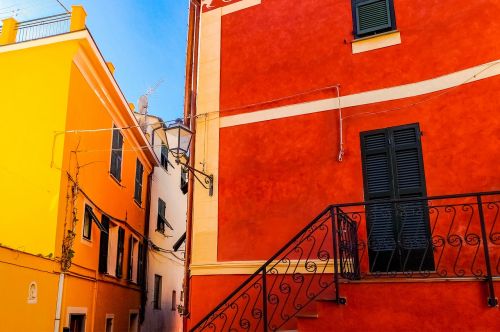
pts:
pixel 145 40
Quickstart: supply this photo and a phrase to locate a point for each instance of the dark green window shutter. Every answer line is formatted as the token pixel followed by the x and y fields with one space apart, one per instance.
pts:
pixel 164 156
pixel 409 175
pixel 398 233
pixel 378 186
pixel 372 16
pixel 116 154
pixel 130 260
pixel 139 170
pixel 119 255
pixel 140 263
pixel 103 245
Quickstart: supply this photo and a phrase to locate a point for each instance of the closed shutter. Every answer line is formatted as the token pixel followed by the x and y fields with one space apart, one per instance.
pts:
pixel 140 263
pixel 139 169
pixel 103 245
pixel 378 186
pixel 372 16
pixel 398 233
pixel 130 260
pixel 119 255
pixel 116 154
pixel 413 230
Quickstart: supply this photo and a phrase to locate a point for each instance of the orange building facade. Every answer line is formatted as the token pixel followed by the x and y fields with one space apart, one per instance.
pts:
pixel 312 106
pixel 90 168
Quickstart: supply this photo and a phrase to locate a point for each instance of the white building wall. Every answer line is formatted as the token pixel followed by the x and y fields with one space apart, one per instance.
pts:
pixel 165 185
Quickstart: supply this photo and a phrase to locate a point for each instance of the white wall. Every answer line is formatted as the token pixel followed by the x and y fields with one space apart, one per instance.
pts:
pixel 165 185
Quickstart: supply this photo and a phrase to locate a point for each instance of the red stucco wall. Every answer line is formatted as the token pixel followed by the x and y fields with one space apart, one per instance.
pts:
pixel 276 176
pixel 281 48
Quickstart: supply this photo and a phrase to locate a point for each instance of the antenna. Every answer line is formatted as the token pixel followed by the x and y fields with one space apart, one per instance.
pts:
pixel 143 104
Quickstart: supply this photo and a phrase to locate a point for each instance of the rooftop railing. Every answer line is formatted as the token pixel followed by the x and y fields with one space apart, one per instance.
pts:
pixel 43 27
pixel 13 32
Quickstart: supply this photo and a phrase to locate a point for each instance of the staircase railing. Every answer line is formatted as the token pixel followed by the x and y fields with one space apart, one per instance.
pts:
pixel 441 237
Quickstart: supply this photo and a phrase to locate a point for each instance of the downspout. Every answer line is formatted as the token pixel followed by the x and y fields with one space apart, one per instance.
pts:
pixel 190 118
pixel 57 320
pixel 144 295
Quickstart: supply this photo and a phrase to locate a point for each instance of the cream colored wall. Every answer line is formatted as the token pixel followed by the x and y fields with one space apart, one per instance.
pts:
pixel 33 100
pixel 205 210
pixel 165 185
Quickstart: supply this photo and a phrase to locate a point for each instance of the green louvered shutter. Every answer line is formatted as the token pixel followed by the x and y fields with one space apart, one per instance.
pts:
pixel 103 245
pixel 398 234
pixel 372 16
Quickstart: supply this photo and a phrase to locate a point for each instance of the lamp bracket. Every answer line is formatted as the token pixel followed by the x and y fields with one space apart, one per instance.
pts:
pixel 208 180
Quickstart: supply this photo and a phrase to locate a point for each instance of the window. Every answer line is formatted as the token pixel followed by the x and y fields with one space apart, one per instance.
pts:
pixel 77 323
pixel 116 154
pixel 164 156
pixel 87 223
pixel 133 322
pixel 371 17
pixel 157 293
pixel 104 245
pixel 184 180
pixel 174 300
pixel 161 221
pixel 109 323
pixel 132 259
pixel 393 169
pixel 139 170
pixel 119 253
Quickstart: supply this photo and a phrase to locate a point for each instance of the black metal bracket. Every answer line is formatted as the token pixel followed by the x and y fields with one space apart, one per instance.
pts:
pixel 208 180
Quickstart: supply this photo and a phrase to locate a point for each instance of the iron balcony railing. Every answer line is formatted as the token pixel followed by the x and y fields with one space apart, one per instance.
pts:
pixel 43 27
pixel 432 238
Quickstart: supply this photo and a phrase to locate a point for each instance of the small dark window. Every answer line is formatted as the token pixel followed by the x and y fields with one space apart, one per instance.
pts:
pixel 119 254
pixel 372 17
pixel 161 221
pixel 164 156
pixel 174 300
pixel 157 293
pixel 139 170
pixel 87 223
pixel 184 180
pixel 116 154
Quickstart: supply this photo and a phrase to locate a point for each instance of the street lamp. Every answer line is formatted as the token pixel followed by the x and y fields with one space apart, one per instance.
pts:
pixel 179 140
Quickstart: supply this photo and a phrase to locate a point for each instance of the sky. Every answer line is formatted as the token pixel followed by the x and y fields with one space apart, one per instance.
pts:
pixel 145 40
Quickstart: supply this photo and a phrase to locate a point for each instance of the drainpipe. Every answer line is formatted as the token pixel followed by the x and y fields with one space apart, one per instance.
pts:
pixel 57 320
pixel 190 118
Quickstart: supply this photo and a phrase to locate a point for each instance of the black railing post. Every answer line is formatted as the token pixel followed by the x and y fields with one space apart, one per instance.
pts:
pixel 264 298
pixel 492 300
pixel 334 212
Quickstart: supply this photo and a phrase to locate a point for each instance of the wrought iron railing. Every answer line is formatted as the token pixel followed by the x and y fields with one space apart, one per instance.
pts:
pixel 438 238
pixel 43 27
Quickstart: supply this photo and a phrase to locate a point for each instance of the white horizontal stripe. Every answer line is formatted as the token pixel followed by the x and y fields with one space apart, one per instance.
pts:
pixel 240 5
pixel 369 97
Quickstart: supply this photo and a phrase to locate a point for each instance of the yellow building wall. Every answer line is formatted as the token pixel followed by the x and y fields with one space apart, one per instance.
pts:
pixel 33 101
pixel 17 271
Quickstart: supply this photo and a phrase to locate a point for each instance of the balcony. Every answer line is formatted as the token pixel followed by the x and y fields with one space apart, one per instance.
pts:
pixel 13 32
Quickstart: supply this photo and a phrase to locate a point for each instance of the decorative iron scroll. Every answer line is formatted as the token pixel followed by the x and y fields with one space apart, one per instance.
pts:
pixel 435 238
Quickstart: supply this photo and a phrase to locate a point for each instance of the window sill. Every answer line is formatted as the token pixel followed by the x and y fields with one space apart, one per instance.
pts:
pixel 374 42
pixel 139 204
pixel 115 179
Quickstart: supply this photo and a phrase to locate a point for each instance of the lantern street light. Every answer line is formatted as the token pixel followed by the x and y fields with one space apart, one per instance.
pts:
pixel 179 139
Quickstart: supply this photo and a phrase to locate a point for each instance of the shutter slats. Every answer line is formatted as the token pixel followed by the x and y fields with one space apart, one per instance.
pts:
pixel 377 170
pixel 408 169
pixel 372 16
